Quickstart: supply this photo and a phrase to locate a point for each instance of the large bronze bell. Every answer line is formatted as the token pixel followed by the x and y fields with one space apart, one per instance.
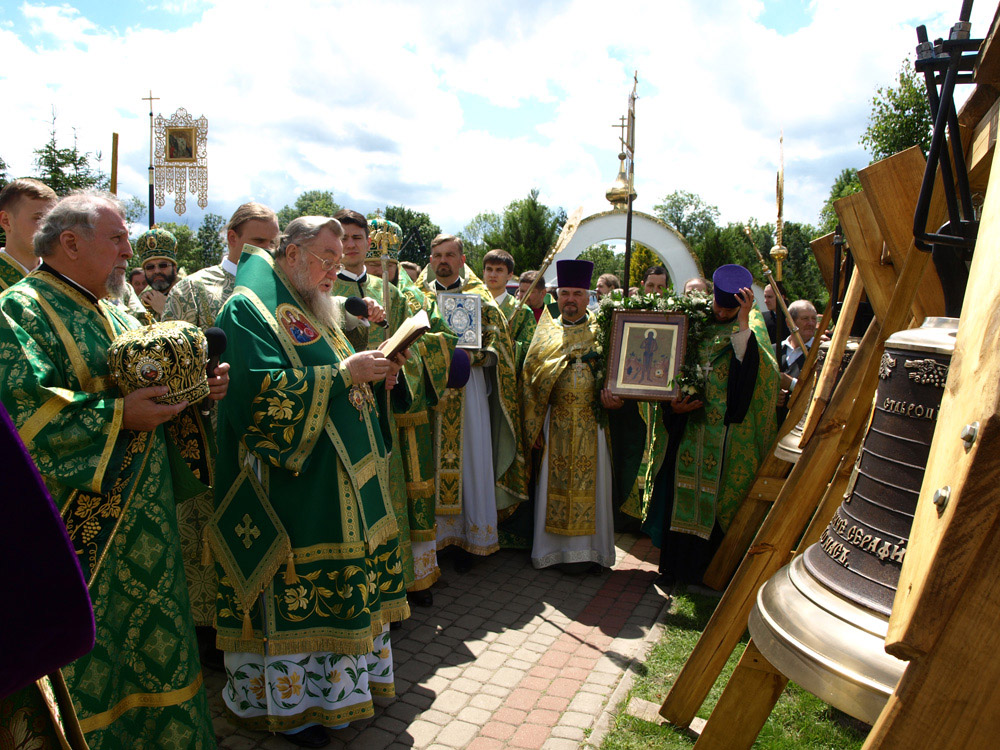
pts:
pixel 822 619
pixel 789 448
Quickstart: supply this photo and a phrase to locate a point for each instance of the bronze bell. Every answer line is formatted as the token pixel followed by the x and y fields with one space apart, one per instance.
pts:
pixel 822 619
pixel 789 448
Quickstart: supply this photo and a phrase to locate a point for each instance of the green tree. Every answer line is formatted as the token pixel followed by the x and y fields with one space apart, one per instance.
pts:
pixel 135 210
pixel 473 239
pixel 210 238
pixel 801 278
pixel 418 231
pixel 641 259
pixel 4 178
pixel 847 183
pixel 605 260
pixel 190 255
pixel 310 203
pixel 900 116
pixel 688 214
pixel 66 169
pixel 528 231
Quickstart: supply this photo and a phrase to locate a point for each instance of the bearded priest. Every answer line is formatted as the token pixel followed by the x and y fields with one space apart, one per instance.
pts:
pixel 561 398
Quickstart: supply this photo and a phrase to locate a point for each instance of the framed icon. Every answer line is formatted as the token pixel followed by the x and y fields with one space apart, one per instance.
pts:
pixel 646 353
pixel 181 145
pixel 464 314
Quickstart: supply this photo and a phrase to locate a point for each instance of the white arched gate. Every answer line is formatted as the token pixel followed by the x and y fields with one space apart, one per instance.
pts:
pixel 658 236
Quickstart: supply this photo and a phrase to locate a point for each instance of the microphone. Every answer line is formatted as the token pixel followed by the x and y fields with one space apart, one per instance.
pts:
pixel 216 338
pixel 359 309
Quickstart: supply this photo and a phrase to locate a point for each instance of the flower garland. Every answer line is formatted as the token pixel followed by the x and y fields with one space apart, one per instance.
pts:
pixel 697 306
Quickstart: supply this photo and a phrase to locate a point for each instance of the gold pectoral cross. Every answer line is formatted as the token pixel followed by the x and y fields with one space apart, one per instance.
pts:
pixel 247 532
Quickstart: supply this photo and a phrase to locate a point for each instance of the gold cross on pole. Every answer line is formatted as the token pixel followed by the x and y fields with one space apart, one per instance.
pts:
pixel 622 124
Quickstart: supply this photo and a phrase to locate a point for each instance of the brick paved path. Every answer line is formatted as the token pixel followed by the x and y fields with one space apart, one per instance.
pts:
pixel 508 657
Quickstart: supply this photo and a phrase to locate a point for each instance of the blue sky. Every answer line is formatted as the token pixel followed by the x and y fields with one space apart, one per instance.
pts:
pixel 459 107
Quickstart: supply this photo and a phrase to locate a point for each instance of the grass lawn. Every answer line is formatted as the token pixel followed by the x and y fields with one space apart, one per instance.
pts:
pixel 800 720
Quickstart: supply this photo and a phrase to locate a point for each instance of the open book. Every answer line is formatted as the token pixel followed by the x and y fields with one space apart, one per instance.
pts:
pixel 409 331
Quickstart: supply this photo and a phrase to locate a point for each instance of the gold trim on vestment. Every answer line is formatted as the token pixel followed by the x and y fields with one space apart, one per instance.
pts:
pixel 44 414
pixel 422 584
pixel 312 715
pixel 337 551
pixel 80 369
pixel 411 420
pixel 109 446
pixel 144 700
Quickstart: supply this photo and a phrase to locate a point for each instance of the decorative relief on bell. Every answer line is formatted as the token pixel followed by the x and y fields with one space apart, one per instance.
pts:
pixel 886 365
pixel 928 372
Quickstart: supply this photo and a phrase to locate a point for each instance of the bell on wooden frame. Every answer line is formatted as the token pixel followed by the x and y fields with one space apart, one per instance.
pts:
pixel 822 619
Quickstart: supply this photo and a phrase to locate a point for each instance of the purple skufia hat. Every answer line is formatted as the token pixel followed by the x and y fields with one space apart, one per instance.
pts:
pixel 727 281
pixel 574 273
pixel 48 620
pixel 460 369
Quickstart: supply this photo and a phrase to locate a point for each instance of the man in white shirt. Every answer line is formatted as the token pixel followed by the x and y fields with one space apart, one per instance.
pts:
pixel 23 203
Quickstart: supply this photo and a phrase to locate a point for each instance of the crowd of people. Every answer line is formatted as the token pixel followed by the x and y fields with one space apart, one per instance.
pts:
pixel 284 527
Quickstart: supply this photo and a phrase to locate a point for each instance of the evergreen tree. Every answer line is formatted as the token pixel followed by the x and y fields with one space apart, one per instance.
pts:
pixel 605 260
pixel 529 230
pixel 210 238
pixel 67 169
pixel 641 259
pixel 473 239
pixel 847 183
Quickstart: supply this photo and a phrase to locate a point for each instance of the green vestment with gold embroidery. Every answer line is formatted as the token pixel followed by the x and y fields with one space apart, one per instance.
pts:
pixel 197 299
pixel 10 271
pixel 141 686
pixel 370 338
pixel 311 444
pixel 521 326
pixel 427 377
pixel 716 462
pixel 505 415
pixel 558 374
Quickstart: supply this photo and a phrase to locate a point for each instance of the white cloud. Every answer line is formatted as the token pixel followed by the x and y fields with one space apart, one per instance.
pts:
pixel 366 98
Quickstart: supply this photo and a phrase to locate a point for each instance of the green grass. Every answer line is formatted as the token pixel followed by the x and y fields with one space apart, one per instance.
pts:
pixel 799 720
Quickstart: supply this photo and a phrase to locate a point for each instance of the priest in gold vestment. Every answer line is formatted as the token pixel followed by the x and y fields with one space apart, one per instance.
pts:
pixel 561 399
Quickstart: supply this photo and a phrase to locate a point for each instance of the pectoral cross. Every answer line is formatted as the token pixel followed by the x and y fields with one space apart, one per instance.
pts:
pixel 247 532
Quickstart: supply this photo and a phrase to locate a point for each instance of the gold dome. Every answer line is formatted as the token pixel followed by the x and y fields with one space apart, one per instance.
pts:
pixel 617 194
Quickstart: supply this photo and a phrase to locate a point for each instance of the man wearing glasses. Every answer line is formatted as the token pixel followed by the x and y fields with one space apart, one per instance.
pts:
pixel 157 251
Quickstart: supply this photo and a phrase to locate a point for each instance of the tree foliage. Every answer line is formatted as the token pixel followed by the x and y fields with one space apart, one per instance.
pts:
pixel 641 259
pixel 67 169
pixel 473 239
pixel 528 231
pixel 310 203
pixel 847 183
pixel 418 231
pixel 688 214
pixel 4 178
pixel 900 117
pixel 605 260
pixel 209 236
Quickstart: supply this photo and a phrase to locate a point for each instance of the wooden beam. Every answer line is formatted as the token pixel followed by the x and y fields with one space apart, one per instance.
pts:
pixel 743 708
pixel 944 542
pixel 987 69
pixel 825 254
pixel 892 187
pixel 865 239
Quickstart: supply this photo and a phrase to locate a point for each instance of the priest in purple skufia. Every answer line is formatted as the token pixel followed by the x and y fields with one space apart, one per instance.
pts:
pixel 705 449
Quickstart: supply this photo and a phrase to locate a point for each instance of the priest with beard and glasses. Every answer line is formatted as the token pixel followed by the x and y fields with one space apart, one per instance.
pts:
pixel 107 460
pixel 304 531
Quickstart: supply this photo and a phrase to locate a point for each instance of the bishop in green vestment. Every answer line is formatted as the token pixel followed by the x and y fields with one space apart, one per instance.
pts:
pixel 304 529
pixel 106 463
pixel 481 476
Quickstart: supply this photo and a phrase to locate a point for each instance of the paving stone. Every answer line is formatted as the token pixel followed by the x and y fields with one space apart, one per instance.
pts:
pixel 503 648
pixel 553 703
pixel 375 739
pixel 509 715
pixel 236 742
pixel 435 684
pixel 498 730
pixel 602 690
pixel 530 736
pixel 484 743
pixel 465 685
pixel 519 664
pixel 500 691
pixel 544 717
pixel 507 677
pixel 525 654
pixel 436 717
pixel 570 731
pixel 458 734
pixel 450 701
pixel 603 678
pixel 558 743
pixel 390 724
pixel 473 715
pixel 477 673
pixel 487 702
pixel 563 687
pixel 588 703
pixel 523 699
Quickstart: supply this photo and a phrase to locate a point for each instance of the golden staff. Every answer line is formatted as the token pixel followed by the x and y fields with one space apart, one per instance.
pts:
pixel 569 228
pixel 777 291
